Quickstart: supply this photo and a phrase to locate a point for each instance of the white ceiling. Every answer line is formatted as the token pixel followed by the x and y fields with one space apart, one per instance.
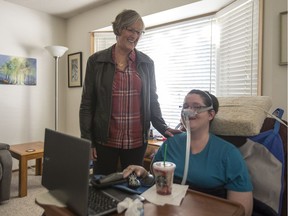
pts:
pixel 60 8
pixel 70 8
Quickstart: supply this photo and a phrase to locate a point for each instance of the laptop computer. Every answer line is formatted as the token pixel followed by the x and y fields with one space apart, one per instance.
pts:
pixel 66 171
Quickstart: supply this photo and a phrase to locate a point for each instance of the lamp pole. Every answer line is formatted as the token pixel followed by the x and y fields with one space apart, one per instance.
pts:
pixel 56 52
pixel 56 91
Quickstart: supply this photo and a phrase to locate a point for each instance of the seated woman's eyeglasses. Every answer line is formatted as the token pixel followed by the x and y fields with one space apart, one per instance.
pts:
pixel 189 112
pixel 133 31
pixel 198 109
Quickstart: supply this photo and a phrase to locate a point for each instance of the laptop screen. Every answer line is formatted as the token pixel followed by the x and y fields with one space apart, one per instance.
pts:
pixel 66 169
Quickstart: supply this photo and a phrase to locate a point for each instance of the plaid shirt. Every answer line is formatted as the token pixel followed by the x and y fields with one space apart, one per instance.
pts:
pixel 125 130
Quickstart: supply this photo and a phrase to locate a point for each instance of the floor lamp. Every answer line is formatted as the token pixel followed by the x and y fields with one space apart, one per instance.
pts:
pixel 56 52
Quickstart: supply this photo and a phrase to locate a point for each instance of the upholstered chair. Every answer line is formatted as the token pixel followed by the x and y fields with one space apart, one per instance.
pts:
pixel 5 172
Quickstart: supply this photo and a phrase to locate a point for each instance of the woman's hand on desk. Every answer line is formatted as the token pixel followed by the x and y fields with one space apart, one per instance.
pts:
pixel 139 170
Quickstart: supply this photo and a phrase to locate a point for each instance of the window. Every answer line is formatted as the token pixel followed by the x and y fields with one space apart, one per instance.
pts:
pixel 182 55
pixel 218 53
pixel 237 68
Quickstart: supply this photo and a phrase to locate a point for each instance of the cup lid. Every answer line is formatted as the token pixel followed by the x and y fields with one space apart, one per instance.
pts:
pixel 161 163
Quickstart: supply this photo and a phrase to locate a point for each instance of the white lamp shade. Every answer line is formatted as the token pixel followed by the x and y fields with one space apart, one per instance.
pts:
pixel 56 51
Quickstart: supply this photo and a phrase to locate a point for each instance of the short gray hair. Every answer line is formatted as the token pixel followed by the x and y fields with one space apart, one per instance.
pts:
pixel 124 19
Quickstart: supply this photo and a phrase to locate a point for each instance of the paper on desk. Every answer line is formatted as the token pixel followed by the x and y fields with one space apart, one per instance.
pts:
pixel 178 193
pixel 47 198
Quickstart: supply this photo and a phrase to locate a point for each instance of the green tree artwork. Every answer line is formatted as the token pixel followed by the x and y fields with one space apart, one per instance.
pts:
pixel 17 70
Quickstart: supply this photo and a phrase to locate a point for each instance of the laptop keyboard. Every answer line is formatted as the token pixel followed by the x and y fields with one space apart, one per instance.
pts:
pixel 101 203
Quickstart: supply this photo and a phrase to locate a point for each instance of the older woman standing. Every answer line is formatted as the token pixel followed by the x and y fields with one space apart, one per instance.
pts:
pixel 119 99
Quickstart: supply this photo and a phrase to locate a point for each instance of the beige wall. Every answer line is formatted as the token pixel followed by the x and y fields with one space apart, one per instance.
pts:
pixel 26 110
pixel 274 75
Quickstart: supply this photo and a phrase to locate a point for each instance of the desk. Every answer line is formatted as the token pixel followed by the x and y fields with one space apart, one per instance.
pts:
pixel 197 204
pixel 23 153
pixel 193 204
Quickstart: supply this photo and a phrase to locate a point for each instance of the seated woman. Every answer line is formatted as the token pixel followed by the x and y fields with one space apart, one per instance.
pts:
pixel 215 165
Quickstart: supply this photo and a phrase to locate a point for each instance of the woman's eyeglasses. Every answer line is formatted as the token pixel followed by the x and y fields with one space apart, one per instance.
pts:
pixel 198 109
pixel 133 31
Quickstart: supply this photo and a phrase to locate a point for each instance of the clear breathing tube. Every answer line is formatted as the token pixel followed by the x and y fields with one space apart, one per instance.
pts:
pixel 186 114
pixel 187 155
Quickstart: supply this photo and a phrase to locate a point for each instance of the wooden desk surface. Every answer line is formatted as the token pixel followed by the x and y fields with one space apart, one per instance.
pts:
pixel 155 142
pixel 193 204
pixel 23 149
pixel 197 204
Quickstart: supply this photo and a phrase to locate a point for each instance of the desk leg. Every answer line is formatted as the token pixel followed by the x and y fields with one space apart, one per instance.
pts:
pixel 22 177
pixel 38 170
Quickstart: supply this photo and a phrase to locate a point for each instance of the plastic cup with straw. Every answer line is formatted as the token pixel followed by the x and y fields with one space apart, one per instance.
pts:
pixel 164 173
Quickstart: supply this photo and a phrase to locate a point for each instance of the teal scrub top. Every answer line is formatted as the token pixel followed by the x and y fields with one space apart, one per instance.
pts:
pixel 219 164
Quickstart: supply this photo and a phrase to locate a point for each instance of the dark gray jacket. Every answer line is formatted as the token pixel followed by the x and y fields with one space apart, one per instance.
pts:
pixel 95 107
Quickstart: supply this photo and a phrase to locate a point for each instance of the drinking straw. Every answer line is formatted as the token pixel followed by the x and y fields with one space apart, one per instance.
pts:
pixel 165 152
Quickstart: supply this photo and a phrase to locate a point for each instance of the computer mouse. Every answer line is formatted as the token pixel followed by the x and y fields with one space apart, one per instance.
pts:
pixel 133 181
pixel 148 181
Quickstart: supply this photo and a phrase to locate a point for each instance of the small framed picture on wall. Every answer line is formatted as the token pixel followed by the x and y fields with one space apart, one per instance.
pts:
pixel 75 70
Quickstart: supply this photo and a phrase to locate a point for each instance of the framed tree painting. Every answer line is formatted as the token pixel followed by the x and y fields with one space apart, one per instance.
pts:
pixel 75 70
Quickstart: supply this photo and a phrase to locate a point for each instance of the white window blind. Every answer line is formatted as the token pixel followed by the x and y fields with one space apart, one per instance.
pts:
pixel 103 40
pixel 184 59
pixel 216 53
pixel 237 68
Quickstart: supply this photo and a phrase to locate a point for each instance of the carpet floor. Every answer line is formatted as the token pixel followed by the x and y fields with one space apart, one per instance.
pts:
pixel 25 206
